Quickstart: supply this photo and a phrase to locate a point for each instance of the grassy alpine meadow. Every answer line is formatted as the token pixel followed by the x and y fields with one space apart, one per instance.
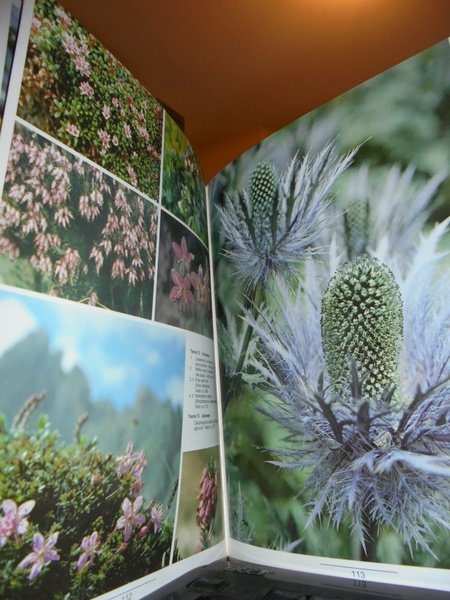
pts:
pixel 97 107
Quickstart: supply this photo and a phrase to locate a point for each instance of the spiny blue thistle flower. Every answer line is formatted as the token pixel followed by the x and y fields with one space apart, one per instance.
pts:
pixel 382 463
pixel 278 221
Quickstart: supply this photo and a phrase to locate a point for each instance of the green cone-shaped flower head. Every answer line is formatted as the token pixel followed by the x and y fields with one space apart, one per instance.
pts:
pixel 362 322
pixel 262 192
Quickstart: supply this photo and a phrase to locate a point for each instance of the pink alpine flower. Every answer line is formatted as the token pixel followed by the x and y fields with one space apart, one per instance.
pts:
pixel 131 516
pixel 157 515
pixel 97 256
pixel 82 65
pixel 105 138
pixel 87 89
pixel 41 263
pixel 70 44
pixel 72 129
pixel 127 130
pixel 126 461
pixel 9 216
pixel 131 462
pixel 118 269
pixel 43 554
pixel 153 152
pixel 13 521
pixel 72 260
pixel 181 291
pixel 200 283
pixel 121 202
pixel 89 206
pixel 182 255
pixel 132 175
pixel 61 271
pixel 89 545
pixel 106 112
pixel 207 497
pixel 63 216
pixel 144 133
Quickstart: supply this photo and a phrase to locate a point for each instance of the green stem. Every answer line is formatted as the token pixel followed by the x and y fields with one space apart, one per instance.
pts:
pixel 257 298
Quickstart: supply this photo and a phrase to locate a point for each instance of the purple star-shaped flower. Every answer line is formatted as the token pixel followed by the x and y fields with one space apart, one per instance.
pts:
pixel 131 516
pixel 182 254
pixel 42 555
pixel 13 521
pixel 89 545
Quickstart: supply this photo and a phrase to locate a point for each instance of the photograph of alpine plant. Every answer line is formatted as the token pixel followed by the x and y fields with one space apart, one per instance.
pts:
pixel 97 108
pixel 70 230
pixel 183 190
pixel 183 297
pixel 332 274
pixel 90 435
pixel 199 520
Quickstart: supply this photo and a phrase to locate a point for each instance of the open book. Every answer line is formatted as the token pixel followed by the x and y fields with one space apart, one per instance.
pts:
pixel 258 370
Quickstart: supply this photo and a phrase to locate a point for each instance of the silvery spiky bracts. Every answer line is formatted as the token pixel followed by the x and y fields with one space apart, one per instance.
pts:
pixel 362 323
pixel 382 463
pixel 393 208
pixel 426 292
pixel 386 464
pixel 278 221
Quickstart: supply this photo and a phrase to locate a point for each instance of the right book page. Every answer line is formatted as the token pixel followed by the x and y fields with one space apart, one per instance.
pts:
pixel 332 284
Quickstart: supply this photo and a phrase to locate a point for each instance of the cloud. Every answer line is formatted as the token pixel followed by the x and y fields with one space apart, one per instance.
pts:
pixel 116 375
pixel 70 353
pixel 16 322
pixel 175 390
pixel 152 358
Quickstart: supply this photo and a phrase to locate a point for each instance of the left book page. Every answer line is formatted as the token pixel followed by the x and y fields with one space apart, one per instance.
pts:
pixel 109 458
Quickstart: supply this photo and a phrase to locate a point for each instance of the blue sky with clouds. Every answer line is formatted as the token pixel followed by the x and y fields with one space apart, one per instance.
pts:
pixel 117 353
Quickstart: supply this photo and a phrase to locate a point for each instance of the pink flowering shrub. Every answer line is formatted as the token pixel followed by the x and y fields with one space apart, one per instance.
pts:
pixel 72 523
pixel 96 107
pixel 86 236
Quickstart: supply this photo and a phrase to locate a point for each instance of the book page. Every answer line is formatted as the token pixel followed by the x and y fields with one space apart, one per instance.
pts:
pixel 9 24
pixel 332 283
pixel 110 466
